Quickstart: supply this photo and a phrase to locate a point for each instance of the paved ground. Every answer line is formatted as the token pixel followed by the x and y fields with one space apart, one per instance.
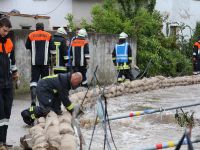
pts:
pixel 129 133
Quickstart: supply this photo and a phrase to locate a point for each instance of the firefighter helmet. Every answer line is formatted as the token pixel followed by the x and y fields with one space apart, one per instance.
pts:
pixel 123 35
pixel 82 32
pixel 61 30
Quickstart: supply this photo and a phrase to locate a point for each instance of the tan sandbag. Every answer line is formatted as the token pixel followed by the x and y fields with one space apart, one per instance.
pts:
pixel 55 143
pixel 108 95
pixel 42 125
pixel 41 120
pixel 51 120
pixel 52 130
pixel 68 142
pixel 160 77
pixel 66 128
pixel 41 142
pixel 113 90
pixel 66 117
pixel 36 129
pixel 42 146
pixel 54 137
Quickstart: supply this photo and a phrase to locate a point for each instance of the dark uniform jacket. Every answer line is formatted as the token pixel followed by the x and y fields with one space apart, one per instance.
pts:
pixel 40 44
pixel 196 51
pixel 60 48
pixel 79 52
pixel 57 84
pixel 7 62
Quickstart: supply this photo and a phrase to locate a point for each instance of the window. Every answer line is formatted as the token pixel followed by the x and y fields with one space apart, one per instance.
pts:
pixel 25 27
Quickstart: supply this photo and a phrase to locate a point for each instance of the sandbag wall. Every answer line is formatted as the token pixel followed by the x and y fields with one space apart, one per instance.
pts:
pixel 135 86
pixel 52 133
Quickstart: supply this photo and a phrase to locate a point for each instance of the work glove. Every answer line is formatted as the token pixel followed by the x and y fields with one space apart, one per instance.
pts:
pixel 15 77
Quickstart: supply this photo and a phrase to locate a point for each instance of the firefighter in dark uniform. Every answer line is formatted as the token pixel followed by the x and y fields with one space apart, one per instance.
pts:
pixel 59 58
pixel 79 55
pixel 122 58
pixel 8 72
pixel 40 44
pixel 196 57
pixel 47 88
pixel 59 55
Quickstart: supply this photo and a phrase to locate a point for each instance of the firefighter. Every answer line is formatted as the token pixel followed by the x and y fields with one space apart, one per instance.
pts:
pixel 8 72
pixel 40 44
pixel 59 57
pixel 47 89
pixel 122 58
pixel 60 53
pixel 79 55
pixel 196 57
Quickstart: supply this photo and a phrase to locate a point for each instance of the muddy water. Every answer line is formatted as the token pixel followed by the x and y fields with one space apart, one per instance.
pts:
pixel 140 132
pixel 129 133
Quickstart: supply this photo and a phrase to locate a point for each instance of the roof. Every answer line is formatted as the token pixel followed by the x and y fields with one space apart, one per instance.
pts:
pixel 24 15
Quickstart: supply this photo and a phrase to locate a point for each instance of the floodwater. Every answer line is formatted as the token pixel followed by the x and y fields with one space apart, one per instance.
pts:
pixel 134 133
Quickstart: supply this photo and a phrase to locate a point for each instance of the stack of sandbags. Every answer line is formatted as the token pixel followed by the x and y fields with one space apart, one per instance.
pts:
pixel 136 86
pixel 52 133
pixel 68 139
pixel 39 138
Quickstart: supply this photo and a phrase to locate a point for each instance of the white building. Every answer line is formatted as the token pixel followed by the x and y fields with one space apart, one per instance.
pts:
pixel 181 13
pixel 55 9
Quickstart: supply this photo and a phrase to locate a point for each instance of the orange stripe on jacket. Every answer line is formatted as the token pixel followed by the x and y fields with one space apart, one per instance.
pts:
pixel 78 43
pixel 197 44
pixel 40 36
pixel 8 46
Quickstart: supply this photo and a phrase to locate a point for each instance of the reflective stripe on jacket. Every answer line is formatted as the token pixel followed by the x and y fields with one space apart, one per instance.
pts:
pixel 196 50
pixel 121 53
pixel 61 50
pixel 7 63
pixel 39 44
pixel 79 52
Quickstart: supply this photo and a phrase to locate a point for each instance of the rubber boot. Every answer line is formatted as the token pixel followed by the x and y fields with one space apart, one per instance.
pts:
pixel 33 96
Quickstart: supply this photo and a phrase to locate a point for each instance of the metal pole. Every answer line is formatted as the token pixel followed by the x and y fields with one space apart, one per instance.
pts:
pixel 149 111
pixel 167 145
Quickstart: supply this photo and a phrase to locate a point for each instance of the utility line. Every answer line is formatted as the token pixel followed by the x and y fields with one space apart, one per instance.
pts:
pixel 53 9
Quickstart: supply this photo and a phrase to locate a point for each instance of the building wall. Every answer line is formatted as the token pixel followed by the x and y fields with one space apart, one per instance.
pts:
pixel 19 21
pixel 100 45
pixel 40 7
pixel 82 9
pixel 180 11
